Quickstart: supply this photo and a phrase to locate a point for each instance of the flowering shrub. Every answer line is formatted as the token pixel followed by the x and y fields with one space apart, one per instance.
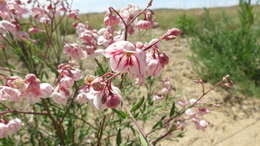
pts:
pixel 51 100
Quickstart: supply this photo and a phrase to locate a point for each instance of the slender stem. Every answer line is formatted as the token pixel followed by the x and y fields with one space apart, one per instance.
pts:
pixel 6 60
pixel 99 65
pixel 136 124
pixel 70 105
pixel 117 13
pixel 140 13
pixel 58 126
pixel 100 133
pixel 21 112
pixel 162 136
pixel 123 77
pixel 122 19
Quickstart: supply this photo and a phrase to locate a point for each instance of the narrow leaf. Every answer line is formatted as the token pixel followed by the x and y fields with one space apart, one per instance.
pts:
pixel 173 109
pixel 137 105
pixel 143 140
pixel 118 137
pixel 121 114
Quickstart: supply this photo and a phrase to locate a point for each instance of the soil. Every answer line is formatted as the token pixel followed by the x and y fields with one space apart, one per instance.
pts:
pixel 236 122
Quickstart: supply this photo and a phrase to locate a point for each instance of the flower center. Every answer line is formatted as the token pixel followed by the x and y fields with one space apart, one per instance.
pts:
pixel 128 54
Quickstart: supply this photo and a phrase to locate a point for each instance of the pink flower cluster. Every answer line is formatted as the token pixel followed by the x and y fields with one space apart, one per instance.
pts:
pixel 194 114
pixel 139 60
pixel 68 74
pixel 44 11
pixel 164 91
pixel 100 92
pixel 29 90
pixel 9 127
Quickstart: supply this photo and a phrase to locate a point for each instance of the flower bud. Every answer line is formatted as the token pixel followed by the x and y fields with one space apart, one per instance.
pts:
pixel 171 34
pixel 113 101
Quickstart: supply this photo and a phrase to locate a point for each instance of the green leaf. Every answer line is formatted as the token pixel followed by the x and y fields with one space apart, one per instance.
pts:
pixel 159 123
pixel 143 140
pixel 173 109
pixel 121 114
pixel 137 105
pixel 118 137
pixel 10 66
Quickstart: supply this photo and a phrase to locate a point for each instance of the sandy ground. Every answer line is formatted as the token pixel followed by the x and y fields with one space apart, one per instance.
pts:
pixel 235 123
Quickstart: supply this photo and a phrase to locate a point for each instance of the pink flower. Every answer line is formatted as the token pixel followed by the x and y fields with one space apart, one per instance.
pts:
pixel 144 24
pixel 124 57
pixel 33 85
pixel 9 127
pixel 3 130
pixel 14 125
pixel 10 94
pixel 105 98
pixel 73 14
pixel 46 90
pixel 81 98
pixel 129 12
pixel 66 82
pixel 60 95
pixel 75 74
pixel 106 37
pixel 190 112
pixel 34 30
pixel 6 26
pixel 45 20
pixel 111 20
pixel 74 51
pixel 167 87
pixel 70 71
pixel 200 124
pixel 114 98
pixel 100 93
pixel 158 97
pixel 155 60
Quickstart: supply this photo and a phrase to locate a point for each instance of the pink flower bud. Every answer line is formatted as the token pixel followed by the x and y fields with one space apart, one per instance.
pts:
pixel 10 94
pixel 172 34
pixel 111 20
pixel 74 51
pixel 190 112
pixel 33 87
pixel 113 101
pixel 144 24
pixel 200 124
pixel 164 59
pixel 34 30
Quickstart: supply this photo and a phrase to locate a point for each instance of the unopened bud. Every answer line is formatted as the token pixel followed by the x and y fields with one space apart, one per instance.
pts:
pixel 171 34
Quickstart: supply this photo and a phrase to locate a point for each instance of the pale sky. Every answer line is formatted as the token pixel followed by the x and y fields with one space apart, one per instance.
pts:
pixel 101 5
